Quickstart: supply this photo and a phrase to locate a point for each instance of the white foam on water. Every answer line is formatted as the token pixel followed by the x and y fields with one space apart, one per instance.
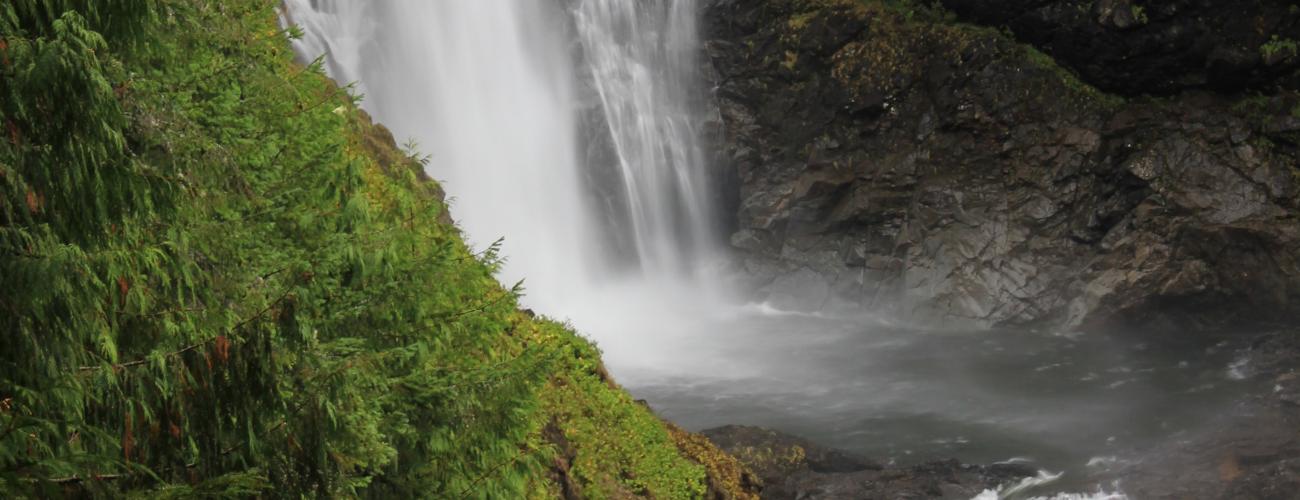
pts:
pixel 767 309
pixel 1021 490
pixel 1239 369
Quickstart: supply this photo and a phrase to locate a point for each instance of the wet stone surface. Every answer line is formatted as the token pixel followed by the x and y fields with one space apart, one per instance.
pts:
pixel 794 468
pixel 952 176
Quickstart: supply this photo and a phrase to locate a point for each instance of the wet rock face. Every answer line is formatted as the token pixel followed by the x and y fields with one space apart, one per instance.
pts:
pixel 950 175
pixel 1137 47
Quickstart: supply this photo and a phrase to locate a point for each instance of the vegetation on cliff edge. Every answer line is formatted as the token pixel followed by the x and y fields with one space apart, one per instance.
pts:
pixel 218 278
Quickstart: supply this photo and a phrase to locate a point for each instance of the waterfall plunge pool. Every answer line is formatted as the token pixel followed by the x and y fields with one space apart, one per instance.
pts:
pixel 1082 405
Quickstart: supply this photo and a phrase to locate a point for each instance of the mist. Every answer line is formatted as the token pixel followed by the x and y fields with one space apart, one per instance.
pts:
pixel 578 131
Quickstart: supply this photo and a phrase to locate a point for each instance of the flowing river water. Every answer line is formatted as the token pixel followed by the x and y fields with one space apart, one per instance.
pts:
pixel 572 129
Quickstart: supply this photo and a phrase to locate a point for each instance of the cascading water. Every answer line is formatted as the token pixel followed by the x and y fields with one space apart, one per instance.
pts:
pixel 485 88
pixel 640 61
pixel 495 93
pixel 570 128
pixel 567 127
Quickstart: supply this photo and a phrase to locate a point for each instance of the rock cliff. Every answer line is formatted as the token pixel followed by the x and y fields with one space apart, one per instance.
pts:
pixel 893 158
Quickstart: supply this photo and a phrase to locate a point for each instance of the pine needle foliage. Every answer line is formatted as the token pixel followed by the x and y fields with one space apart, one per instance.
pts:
pixel 110 18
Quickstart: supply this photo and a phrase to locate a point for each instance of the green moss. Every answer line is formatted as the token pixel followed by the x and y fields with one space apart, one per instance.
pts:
pixel 791 60
pixel 728 477
pixel 1279 46
pixel 800 21
pixel 618 447
pixel 1261 109
pixel 1254 107
pixel 876 64
pixel 1068 78
pixel 1255 103
pixel 1139 14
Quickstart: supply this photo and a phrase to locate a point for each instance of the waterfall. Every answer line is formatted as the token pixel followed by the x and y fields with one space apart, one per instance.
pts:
pixel 485 88
pixel 640 60
pixel 566 127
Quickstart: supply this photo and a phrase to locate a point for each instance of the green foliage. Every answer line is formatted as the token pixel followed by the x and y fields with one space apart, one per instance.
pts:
pixel 1279 46
pixel 1255 102
pixel 210 287
pixel 1260 108
pixel 1139 14
pixel 219 279
pixel 110 18
pixel 619 447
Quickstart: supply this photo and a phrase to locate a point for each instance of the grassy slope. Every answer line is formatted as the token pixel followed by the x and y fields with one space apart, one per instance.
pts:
pixel 316 324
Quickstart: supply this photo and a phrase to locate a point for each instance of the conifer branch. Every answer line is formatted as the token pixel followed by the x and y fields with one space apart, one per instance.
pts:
pixel 483 305
pixel 26 255
pixel 13 424
pixel 523 451
pixel 329 96
pixel 139 362
pixel 196 345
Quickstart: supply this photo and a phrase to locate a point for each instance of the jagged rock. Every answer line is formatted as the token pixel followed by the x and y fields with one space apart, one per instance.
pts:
pixel 956 177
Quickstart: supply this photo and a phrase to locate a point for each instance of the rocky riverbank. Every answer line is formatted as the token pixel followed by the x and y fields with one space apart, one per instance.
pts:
pixel 794 468
pixel 896 159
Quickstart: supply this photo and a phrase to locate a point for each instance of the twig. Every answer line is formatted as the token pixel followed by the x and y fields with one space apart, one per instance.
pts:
pixel 97 477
